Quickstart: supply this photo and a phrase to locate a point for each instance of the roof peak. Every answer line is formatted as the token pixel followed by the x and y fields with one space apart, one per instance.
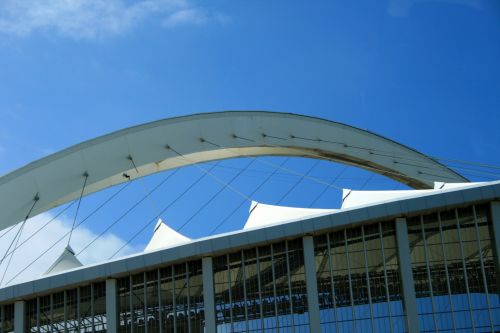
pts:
pixel 261 215
pixel 67 260
pixel 165 236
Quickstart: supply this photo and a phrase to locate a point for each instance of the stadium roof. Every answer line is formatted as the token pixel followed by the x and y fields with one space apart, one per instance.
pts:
pixel 391 208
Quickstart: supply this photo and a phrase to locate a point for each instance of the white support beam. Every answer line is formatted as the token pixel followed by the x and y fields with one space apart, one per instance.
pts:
pixel 311 284
pixel 408 286
pixel 19 322
pixel 208 294
pixel 112 306
pixel 495 216
pixel 235 134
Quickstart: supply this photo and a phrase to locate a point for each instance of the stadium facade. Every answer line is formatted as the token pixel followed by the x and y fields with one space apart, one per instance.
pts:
pixel 424 260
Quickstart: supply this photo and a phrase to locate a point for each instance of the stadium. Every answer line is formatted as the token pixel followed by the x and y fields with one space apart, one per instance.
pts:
pixel 417 260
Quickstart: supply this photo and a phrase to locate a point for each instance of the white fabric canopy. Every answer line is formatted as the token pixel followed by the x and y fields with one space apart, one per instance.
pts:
pixel 164 236
pixel 263 215
pixel 352 198
pixel 67 260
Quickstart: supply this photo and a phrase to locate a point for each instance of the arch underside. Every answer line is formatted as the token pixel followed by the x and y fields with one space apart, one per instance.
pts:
pixel 178 142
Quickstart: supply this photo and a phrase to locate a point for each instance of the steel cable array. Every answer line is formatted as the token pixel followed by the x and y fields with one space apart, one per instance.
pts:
pixel 469 166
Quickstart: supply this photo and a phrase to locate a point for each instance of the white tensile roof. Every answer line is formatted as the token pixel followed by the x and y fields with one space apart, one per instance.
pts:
pixel 164 236
pixel 352 198
pixel 67 260
pixel 263 215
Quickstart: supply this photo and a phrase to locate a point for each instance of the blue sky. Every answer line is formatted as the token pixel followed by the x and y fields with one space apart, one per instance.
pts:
pixel 424 73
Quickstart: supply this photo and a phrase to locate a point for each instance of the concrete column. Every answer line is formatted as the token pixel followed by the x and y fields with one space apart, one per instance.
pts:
pixel 112 306
pixel 311 284
pixel 19 320
pixel 495 216
pixel 208 294
pixel 408 286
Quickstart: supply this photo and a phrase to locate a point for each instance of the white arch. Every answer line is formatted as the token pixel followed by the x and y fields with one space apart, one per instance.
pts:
pixel 58 178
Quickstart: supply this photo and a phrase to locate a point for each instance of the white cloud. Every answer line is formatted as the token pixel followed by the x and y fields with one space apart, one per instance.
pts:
pixel 89 19
pixel 186 16
pixel 100 251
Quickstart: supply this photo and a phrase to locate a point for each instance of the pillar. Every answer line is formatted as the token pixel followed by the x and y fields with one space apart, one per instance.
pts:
pixel 408 286
pixel 208 294
pixel 311 284
pixel 112 306
pixel 19 320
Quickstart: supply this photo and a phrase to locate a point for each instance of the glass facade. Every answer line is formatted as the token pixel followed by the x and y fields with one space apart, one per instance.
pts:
pixel 7 318
pixel 80 309
pixel 359 285
pixel 261 289
pixel 169 298
pixel 454 270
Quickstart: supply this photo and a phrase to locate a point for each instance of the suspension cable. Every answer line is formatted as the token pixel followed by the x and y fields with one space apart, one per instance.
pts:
pixel 275 165
pixel 392 154
pixel 225 184
pixel 323 157
pixel 327 187
pixel 128 211
pixel 86 175
pixel 214 196
pixel 485 174
pixel 378 152
pixel 35 200
pixel 163 210
pixel 367 181
pixel 82 221
pixel 494 173
pixel 67 233
pixel 17 237
pixel 37 258
pixel 43 226
pixel 144 187
pixel 488 178
pixel 251 194
pixel 491 175
pixel 320 156
pixel 297 182
pixel 9 230
pixel 483 165
pixel 357 147
pixel 287 175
